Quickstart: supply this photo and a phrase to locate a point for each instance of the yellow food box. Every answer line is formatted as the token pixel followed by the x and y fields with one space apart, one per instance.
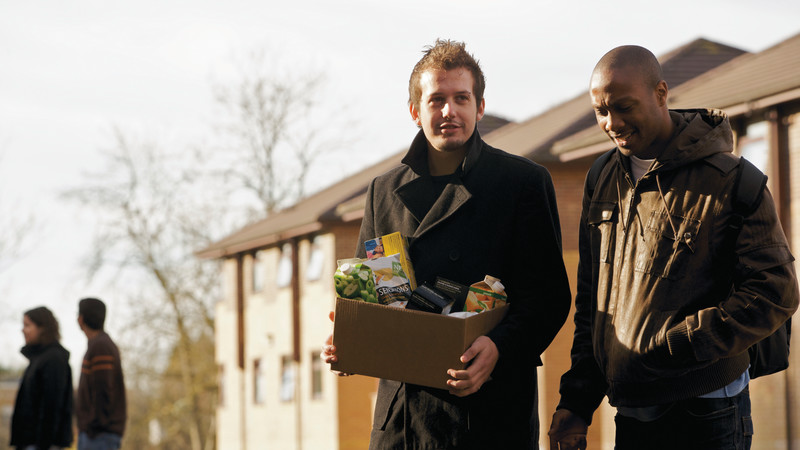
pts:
pixel 396 243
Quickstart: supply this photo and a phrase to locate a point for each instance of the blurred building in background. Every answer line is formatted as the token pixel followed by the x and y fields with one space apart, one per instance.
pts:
pixel 8 396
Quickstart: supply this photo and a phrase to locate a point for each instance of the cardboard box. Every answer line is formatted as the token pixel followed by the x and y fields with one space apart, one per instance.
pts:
pixel 404 345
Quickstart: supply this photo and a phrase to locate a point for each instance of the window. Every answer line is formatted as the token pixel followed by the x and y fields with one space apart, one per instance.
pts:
pixel 259 381
pixel 155 432
pixel 316 375
pixel 754 145
pixel 315 260
pixel 287 379
pixel 284 276
pixel 258 271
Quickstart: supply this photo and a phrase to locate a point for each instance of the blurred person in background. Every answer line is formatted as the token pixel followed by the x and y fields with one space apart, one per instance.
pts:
pixel 43 410
pixel 101 406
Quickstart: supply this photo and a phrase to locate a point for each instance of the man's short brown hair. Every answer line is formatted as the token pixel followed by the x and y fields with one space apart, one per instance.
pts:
pixel 93 312
pixel 445 55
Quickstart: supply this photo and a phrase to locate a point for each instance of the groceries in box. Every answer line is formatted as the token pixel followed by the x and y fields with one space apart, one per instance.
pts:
pixel 387 277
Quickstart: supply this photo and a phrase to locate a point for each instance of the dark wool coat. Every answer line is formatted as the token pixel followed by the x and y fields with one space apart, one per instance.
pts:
pixel 496 216
pixel 43 410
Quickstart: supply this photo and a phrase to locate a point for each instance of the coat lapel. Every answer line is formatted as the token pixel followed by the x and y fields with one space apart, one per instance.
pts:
pixel 453 197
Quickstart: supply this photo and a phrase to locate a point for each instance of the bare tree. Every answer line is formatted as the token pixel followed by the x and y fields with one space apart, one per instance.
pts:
pixel 279 129
pixel 16 229
pixel 156 209
pixel 153 216
pixel 15 236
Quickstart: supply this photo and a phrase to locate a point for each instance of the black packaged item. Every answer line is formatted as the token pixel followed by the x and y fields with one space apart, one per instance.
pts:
pixel 456 291
pixel 425 298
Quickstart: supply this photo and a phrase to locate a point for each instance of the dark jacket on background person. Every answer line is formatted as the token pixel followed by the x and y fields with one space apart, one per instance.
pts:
pixel 664 323
pixel 43 409
pixel 495 216
pixel 101 405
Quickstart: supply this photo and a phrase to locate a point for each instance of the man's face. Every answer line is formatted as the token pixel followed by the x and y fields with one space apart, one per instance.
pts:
pixel 447 110
pixel 631 113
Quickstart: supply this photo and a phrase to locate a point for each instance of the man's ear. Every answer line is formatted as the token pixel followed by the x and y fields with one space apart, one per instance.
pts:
pixel 662 92
pixel 481 109
pixel 414 114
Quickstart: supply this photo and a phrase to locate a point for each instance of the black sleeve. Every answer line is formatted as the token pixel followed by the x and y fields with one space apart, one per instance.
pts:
pixel 538 287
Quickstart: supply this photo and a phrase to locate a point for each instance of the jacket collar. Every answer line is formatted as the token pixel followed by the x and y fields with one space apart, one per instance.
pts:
pixel 417 156
pixel 33 350
pixel 454 195
pixel 698 134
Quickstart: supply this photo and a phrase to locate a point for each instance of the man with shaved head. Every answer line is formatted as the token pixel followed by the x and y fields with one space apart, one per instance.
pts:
pixel 669 300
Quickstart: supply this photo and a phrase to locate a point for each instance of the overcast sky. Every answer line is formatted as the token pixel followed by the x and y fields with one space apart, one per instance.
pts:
pixel 73 69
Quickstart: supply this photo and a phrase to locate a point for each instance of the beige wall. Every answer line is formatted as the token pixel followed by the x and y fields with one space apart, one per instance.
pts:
pixel 307 421
pixel 268 338
pixel 319 418
pixel 229 409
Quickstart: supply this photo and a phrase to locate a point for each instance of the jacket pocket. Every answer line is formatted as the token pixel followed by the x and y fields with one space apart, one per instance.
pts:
pixel 669 242
pixel 602 217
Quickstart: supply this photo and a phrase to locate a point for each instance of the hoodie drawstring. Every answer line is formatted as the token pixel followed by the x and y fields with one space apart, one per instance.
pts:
pixel 621 213
pixel 632 211
pixel 666 207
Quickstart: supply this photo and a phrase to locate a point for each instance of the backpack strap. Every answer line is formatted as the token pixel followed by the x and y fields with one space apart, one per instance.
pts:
pixel 771 354
pixel 747 191
pixel 597 167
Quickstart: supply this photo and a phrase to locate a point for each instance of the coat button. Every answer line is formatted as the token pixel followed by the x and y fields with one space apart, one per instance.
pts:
pixel 454 255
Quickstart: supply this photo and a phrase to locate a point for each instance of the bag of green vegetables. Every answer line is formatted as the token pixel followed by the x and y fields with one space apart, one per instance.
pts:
pixel 355 280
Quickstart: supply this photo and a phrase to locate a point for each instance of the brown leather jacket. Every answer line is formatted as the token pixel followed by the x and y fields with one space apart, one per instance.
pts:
pixel 658 318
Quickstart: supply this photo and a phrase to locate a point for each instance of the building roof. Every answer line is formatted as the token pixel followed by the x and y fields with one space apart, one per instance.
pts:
pixel 490 122
pixel 302 218
pixel 747 80
pixel 534 137
pixel 746 83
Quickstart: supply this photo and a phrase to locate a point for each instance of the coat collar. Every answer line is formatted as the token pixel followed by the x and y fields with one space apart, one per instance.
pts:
pixel 454 195
pixel 417 156
pixel 31 351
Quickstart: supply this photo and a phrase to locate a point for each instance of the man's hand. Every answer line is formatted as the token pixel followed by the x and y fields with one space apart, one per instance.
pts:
pixel 329 351
pixel 483 354
pixel 568 431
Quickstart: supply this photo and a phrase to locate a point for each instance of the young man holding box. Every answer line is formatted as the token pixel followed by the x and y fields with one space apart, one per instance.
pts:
pixel 469 210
